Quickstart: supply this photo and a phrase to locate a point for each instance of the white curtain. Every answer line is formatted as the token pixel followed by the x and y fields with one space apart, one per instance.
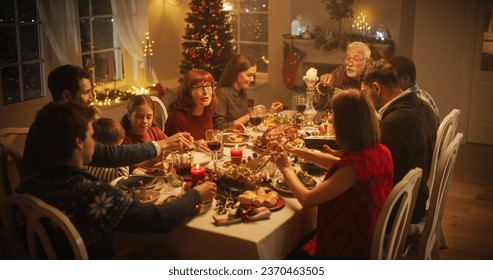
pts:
pixel 132 23
pixel 60 20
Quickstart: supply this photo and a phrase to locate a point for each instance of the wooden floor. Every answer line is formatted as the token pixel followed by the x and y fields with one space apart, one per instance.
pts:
pixel 468 217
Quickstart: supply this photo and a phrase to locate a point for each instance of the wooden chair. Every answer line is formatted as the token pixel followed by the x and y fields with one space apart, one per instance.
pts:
pixel 402 198
pixel 445 134
pixel 427 243
pixel 38 215
pixel 15 137
pixel 161 114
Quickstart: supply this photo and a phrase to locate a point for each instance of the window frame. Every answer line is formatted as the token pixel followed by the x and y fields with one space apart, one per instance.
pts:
pixel 19 63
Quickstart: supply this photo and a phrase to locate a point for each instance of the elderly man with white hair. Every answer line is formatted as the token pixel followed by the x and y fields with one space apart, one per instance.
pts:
pixel 344 76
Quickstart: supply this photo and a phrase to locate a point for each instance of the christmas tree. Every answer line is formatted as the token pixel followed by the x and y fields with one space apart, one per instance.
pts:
pixel 207 40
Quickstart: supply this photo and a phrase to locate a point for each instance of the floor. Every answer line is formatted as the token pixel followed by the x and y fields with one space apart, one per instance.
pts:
pixel 468 217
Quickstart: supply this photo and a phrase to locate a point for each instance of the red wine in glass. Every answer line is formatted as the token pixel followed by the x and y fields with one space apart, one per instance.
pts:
pixel 256 120
pixel 301 107
pixel 214 145
pixel 183 170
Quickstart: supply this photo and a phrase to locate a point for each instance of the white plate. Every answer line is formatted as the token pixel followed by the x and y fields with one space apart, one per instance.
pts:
pixel 246 138
pixel 289 113
pixel 200 158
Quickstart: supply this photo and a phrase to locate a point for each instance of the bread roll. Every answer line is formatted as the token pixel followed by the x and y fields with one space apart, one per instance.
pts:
pixel 273 194
pixel 259 200
pixel 261 191
pixel 246 197
pixel 270 201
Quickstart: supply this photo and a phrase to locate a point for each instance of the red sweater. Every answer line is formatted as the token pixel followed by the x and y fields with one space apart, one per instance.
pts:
pixel 178 121
pixel 154 133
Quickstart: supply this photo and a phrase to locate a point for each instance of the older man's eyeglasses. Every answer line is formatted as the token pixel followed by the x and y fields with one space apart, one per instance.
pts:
pixel 206 87
pixel 354 60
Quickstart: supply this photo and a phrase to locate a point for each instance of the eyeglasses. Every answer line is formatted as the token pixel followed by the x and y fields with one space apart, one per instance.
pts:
pixel 200 87
pixel 354 60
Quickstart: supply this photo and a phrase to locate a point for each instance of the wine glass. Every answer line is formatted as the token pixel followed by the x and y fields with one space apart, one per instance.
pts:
pixel 300 103
pixel 168 164
pixel 256 116
pixel 214 138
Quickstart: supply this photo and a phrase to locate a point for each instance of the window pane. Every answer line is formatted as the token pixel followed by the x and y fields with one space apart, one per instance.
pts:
pixel 103 33
pixel 29 42
pixel 234 24
pixel 259 52
pixel 10 85
pixel 254 5
pixel 254 27
pixel 7 12
pixel 101 7
pixel 27 11
pixel 8 45
pixel 32 83
pixel 104 66
pixel 83 8
pixel 85 35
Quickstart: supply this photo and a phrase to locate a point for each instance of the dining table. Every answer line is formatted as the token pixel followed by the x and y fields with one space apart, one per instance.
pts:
pixel 200 238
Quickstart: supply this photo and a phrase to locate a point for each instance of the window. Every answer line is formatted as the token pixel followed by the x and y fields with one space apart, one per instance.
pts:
pixel 250 22
pixel 99 41
pixel 21 61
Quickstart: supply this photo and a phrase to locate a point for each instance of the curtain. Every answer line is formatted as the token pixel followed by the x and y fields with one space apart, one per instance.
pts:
pixel 60 21
pixel 132 22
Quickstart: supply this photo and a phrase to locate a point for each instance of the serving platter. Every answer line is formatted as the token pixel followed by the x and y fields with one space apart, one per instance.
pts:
pixel 135 182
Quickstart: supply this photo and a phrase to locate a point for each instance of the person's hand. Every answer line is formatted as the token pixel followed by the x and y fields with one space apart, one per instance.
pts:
pixel 337 153
pixel 280 158
pixel 178 141
pixel 236 128
pixel 201 146
pixel 275 106
pixel 290 148
pixel 207 191
pixel 325 79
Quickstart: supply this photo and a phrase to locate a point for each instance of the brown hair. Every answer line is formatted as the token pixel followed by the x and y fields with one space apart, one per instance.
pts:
pixel 108 131
pixel 380 72
pixel 355 120
pixel 236 65
pixel 184 101
pixel 132 104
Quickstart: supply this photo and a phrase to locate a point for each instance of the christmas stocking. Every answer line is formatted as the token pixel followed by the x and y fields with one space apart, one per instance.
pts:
pixel 290 66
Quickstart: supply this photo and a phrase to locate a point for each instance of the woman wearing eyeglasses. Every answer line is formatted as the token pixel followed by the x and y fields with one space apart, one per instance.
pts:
pixel 193 109
pixel 344 76
pixel 238 75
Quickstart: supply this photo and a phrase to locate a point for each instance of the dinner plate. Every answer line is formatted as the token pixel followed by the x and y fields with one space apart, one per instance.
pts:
pixel 135 181
pixel 288 113
pixel 200 158
pixel 282 188
pixel 232 139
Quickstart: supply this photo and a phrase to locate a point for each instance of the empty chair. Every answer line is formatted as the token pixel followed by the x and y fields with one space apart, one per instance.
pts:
pixel 160 112
pixel 39 224
pixel 402 198
pixel 445 134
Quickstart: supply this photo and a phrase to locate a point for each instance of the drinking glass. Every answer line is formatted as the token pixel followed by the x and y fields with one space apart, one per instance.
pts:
pixel 300 103
pixel 214 138
pixel 256 116
pixel 183 162
pixel 168 164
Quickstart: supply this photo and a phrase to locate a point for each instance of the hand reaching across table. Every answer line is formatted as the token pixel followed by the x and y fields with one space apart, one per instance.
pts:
pixel 178 141
pixel 206 190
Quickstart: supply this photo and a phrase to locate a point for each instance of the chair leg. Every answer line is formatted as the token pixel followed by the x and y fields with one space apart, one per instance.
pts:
pixel 442 238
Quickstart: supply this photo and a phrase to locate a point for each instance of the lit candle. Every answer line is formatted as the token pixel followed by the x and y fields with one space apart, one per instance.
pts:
pixel 236 155
pixel 123 69
pixel 197 173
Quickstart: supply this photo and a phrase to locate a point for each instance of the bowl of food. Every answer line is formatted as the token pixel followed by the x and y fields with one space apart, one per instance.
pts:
pixel 311 168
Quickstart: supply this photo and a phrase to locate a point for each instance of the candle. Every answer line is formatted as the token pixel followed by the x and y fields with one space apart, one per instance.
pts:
pixel 123 69
pixel 197 173
pixel 236 155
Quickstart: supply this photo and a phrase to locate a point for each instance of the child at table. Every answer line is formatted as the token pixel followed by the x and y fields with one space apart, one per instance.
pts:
pixel 107 131
pixel 355 187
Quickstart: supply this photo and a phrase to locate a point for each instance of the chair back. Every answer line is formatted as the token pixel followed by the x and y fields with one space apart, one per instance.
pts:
pixel 8 182
pixel 15 137
pixel 38 215
pixel 402 198
pixel 428 243
pixel 445 134
pixel 161 114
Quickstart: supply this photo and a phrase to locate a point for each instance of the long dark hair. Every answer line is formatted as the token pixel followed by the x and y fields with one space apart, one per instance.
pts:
pixel 355 120
pixel 132 104
pixel 184 101
pixel 236 65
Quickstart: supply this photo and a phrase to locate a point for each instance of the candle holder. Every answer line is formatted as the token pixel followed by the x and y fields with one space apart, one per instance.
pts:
pixel 310 112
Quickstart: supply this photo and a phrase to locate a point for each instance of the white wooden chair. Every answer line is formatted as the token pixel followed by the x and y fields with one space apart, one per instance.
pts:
pixel 445 134
pixel 38 215
pixel 160 114
pixel 402 198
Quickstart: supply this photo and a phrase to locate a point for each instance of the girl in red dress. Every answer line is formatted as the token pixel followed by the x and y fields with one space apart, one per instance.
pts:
pixel 358 180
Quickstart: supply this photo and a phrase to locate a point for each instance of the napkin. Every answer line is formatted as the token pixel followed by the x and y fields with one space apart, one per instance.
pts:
pixel 251 214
